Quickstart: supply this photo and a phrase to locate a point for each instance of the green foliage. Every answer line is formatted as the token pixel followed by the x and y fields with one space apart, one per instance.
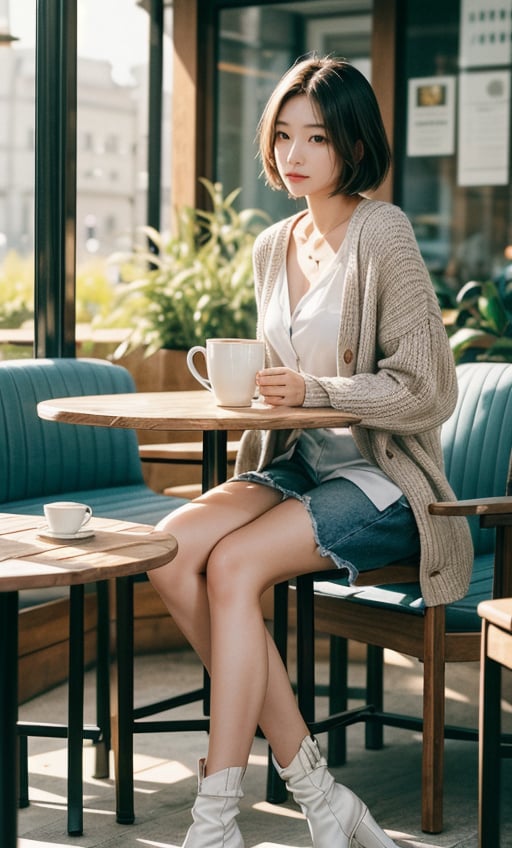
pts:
pixel 94 292
pixel 197 284
pixel 482 326
pixel 16 291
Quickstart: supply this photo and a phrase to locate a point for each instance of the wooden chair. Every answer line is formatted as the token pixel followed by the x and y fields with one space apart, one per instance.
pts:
pixel 477 443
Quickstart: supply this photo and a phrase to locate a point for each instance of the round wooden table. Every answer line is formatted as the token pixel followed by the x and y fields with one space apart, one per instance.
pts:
pixel 118 549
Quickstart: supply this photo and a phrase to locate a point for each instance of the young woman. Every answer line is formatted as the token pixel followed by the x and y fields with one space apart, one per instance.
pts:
pixel 350 320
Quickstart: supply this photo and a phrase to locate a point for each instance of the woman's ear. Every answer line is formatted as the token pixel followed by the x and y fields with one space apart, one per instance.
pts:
pixel 358 151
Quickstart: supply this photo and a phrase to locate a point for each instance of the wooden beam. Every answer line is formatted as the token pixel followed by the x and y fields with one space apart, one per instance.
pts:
pixel 184 103
pixel 384 36
pixel 194 69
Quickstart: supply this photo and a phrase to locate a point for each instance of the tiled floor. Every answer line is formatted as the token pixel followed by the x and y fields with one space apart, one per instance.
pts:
pixel 389 780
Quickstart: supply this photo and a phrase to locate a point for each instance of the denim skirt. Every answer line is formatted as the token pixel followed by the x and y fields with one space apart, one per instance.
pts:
pixel 347 526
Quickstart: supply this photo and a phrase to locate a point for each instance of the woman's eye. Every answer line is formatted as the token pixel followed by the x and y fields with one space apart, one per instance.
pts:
pixel 281 135
pixel 319 139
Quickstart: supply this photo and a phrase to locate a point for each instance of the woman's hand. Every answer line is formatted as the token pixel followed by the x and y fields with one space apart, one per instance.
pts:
pixel 281 387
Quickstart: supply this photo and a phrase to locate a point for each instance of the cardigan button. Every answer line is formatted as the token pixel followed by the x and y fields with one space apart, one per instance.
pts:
pixel 389 454
pixel 348 356
pixel 435 573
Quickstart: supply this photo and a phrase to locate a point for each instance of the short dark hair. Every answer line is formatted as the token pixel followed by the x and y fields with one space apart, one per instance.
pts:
pixel 347 104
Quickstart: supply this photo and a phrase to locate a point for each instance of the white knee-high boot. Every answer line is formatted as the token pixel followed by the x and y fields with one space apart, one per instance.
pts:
pixel 336 817
pixel 215 809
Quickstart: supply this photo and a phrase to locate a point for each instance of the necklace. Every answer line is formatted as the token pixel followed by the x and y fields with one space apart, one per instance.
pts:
pixel 318 242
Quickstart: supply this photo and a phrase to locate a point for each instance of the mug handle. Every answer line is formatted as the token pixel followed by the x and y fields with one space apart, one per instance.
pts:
pixel 87 516
pixel 192 368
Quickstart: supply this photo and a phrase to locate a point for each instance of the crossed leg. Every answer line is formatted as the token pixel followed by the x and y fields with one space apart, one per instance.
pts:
pixel 235 542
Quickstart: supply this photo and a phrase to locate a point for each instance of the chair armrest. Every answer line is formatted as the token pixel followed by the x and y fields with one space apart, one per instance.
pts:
pixel 475 506
pixel 493 513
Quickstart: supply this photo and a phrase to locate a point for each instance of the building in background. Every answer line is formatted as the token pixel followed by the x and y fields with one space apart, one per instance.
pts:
pixel 111 156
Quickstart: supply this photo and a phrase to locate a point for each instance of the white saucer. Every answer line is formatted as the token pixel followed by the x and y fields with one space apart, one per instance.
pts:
pixel 86 533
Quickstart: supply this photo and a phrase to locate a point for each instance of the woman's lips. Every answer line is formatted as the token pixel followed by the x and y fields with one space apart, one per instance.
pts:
pixel 296 178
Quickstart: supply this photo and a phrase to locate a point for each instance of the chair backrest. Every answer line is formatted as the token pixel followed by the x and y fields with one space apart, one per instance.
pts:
pixel 39 458
pixel 477 439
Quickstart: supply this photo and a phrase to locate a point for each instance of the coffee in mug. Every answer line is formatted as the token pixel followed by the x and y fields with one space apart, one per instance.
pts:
pixel 232 365
pixel 66 518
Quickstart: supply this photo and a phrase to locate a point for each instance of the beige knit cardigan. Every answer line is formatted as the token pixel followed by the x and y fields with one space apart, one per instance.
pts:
pixel 395 371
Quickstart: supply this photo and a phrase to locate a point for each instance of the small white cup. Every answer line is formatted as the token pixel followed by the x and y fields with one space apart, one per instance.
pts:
pixel 232 365
pixel 67 517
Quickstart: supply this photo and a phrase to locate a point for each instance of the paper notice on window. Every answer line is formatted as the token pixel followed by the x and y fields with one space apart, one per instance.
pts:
pixel 484 118
pixel 485 33
pixel 431 116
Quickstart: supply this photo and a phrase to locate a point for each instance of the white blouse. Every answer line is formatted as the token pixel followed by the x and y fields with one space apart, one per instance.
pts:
pixel 306 341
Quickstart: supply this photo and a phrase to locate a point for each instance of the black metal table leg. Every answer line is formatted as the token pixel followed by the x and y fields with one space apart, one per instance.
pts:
pixel 215 458
pixel 102 746
pixel 8 717
pixel 23 799
pixel 215 461
pixel 277 792
pixel 338 699
pixel 123 713
pixel 76 711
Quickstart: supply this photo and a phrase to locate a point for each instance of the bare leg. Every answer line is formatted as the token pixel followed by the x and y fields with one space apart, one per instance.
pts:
pixel 249 682
pixel 246 540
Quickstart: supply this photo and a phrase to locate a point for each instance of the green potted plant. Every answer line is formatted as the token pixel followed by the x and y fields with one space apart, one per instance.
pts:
pixel 195 284
pixel 481 324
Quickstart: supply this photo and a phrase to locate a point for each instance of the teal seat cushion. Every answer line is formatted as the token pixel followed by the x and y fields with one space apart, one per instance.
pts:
pixel 461 616
pixel 135 502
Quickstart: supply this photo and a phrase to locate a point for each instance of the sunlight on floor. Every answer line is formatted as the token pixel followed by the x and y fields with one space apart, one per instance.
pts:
pixel 157 844
pixel 454 695
pixel 394 658
pixel 163 771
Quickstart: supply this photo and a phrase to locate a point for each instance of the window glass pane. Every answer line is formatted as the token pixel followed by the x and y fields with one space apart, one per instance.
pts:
pixel 112 134
pixel 112 147
pixel 17 85
pixel 111 125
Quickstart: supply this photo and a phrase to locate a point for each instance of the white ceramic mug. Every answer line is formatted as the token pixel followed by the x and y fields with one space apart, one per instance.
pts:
pixel 232 365
pixel 67 517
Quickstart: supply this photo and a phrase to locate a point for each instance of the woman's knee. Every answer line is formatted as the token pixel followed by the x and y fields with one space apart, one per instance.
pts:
pixel 170 582
pixel 230 573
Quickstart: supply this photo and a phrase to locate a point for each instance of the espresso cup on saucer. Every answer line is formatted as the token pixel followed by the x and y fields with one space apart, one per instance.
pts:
pixel 67 518
pixel 231 365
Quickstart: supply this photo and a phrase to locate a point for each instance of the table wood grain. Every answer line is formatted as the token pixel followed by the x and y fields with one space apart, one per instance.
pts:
pixel 29 559
pixel 194 410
